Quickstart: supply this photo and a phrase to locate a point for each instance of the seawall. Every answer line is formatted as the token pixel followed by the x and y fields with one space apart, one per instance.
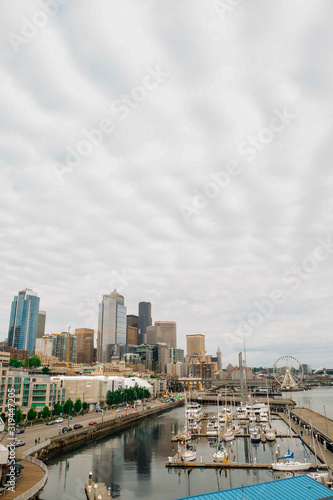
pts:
pixel 74 439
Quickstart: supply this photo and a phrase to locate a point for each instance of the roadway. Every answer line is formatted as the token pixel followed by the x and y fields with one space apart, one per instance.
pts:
pixel 44 432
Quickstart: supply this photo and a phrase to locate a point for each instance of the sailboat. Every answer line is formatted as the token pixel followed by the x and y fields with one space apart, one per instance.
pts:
pixel 221 455
pixel 269 430
pixel 288 462
pixel 189 454
pixel 228 434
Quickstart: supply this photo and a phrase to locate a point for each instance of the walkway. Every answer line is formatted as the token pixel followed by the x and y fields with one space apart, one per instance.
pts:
pixel 316 447
pixel 32 474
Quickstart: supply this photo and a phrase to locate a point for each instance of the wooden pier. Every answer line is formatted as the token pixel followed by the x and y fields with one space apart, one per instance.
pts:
pixel 176 462
pixel 99 490
pixel 317 439
pixel 96 491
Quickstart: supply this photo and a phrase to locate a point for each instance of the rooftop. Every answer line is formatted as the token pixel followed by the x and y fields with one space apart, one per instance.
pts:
pixel 295 488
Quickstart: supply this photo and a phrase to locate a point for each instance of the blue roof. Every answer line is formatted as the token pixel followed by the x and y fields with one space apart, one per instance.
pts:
pixel 292 488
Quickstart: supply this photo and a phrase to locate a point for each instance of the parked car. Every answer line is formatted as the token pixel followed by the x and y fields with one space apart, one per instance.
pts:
pixel 78 426
pixel 16 443
pixel 66 429
pixel 58 420
pixel 51 422
pixel 20 430
pixel 117 410
pixel 92 422
pixel 98 410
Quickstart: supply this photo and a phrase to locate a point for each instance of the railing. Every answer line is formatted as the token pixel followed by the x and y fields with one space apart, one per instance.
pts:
pixel 40 485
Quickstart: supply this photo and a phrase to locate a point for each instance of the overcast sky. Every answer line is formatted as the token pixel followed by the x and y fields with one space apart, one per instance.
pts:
pixel 180 152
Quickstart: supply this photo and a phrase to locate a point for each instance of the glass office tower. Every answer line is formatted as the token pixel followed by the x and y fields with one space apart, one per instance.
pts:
pixel 112 323
pixel 23 321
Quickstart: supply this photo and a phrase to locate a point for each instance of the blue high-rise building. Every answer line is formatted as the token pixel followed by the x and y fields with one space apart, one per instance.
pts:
pixel 23 321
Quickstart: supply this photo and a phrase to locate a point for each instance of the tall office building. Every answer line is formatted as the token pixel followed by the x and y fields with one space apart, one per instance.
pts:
pixel 23 323
pixel 195 345
pixel 111 326
pixel 84 345
pixel 144 320
pixel 219 359
pixel 41 324
pixel 59 346
pixel 162 332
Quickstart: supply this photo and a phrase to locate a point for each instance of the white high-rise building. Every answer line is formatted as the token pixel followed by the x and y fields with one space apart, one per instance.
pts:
pixel 112 321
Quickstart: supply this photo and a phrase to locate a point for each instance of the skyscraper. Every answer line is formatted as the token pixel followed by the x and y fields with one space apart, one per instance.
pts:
pixel 41 324
pixel 23 321
pixel 196 345
pixel 59 346
pixel 144 320
pixel 84 345
pixel 162 332
pixel 219 359
pixel 111 326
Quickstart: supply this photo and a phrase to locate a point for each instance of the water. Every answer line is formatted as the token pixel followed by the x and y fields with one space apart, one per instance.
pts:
pixel 132 462
pixel 318 399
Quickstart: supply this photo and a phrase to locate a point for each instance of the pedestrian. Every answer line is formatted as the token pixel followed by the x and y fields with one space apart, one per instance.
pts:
pixel 38 440
pixel 35 442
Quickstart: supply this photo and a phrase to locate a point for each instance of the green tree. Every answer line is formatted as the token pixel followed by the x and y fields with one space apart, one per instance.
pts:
pixel 57 409
pixel 15 363
pixel 45 412
pixel 45 370
pixel 3 417
pixel 85 406
pixel 34 361
pixel 77 405
pixel 68 406
pixel 32 414
pixel 18 415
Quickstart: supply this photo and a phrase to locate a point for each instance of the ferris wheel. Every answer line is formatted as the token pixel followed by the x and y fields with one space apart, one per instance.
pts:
pixel 288 372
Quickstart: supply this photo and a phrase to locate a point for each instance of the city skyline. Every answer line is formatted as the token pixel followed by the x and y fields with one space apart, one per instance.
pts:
pixel 179 153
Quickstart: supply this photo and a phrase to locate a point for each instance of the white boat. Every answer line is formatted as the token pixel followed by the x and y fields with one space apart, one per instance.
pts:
pixel 193 410
pixel 241 413
pixel 270 433
pixel 189 454
pixel 321 477
pixel 236 429
pixel 212 428
pixel 225 415
pixel 193 426
pixel 263 417
pixel 221 455
pixel 228 435
pixel 291 465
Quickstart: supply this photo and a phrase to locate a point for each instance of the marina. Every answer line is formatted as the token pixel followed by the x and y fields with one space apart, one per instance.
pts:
pixel 133 462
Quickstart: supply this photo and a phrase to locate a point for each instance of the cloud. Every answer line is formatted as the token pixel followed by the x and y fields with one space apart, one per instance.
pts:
pixel 114 117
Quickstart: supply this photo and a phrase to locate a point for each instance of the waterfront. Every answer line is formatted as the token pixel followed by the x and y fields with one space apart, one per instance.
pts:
pixel 133 461
pixel 318 399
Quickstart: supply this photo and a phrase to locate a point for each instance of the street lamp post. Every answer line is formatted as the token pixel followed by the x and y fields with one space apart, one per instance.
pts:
pixel 69 412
